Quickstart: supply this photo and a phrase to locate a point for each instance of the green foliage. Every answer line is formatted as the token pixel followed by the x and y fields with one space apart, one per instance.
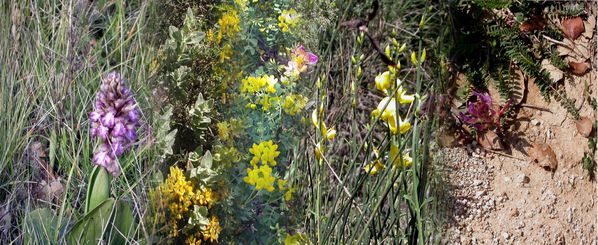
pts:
pixel 199 117
pixel 492 4
pixel 98 188
pixel 506 44
pixel 39 226
pixel 105 218
pixel 110 221
pixel 565 9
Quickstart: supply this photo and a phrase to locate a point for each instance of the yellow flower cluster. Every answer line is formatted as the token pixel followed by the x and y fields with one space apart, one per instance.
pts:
pixel 268 101
pixel 387 108
pixel 288 18
pixel 293 103
pixel 210 232
pixel 229 25
pixel 253 85
pixel 177 195
pixel 266 152
pixel 260 177
pixel 227 130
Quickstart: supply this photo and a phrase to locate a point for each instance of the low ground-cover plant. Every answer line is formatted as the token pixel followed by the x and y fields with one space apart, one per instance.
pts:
pixel 517 35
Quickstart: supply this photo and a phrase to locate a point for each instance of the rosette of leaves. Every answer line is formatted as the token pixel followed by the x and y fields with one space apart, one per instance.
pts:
pixel 107 220
pixel 199 117
pixel 200 168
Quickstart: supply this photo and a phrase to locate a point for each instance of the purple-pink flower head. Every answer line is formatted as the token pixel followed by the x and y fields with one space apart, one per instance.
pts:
pixel 114 120
pixel 480 112
pixel 305 56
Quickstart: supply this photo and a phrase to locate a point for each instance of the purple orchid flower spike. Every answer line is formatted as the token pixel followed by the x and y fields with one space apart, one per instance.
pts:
pixel 114 120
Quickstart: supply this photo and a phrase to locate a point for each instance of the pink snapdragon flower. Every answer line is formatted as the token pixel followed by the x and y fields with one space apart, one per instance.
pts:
pixel 300 61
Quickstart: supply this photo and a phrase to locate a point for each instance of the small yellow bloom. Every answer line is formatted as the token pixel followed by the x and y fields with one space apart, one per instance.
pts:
pixel 413 58
pixel 288 18
pixel 374 167
pixel 325 131
pixel 212 230
pixel 282 184
pixel 319 151
pixel 383 81
pixel 405 161
pixel 289 194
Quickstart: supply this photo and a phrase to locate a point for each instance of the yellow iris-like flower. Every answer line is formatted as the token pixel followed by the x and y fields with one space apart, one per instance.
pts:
pixel 403 97
pixel 402 127
pixel 389 114
pixel 319 151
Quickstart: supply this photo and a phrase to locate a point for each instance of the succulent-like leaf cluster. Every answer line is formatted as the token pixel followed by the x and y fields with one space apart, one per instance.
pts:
pixel 114 121
pixel 480 113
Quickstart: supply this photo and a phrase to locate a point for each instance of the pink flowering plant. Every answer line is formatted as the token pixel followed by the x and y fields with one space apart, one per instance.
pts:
pixel 482 114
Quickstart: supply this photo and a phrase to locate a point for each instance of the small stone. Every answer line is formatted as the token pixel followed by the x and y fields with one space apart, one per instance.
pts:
pixel 521 178
pixel 478 194
pixel 477 182
pixel 535 122
pixel 506 235
pixel 515 212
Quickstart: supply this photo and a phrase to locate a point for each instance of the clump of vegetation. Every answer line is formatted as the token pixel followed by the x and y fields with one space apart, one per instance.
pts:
pixel 514 34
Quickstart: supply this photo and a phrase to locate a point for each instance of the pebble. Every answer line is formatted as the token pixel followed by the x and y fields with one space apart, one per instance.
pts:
pixel 506 235
pixel 535 122
pixel 521 178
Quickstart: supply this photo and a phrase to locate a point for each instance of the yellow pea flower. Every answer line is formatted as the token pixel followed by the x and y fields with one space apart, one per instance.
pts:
pixel 374 167
pixel 383 81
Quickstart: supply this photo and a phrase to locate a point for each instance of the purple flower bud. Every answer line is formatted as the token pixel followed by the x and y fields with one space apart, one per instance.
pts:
pixel 108 120
pixel 117 148
pixel 102 132
pixel 134 115
pixel 131 135
pixel 119 129
pixel 95 116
